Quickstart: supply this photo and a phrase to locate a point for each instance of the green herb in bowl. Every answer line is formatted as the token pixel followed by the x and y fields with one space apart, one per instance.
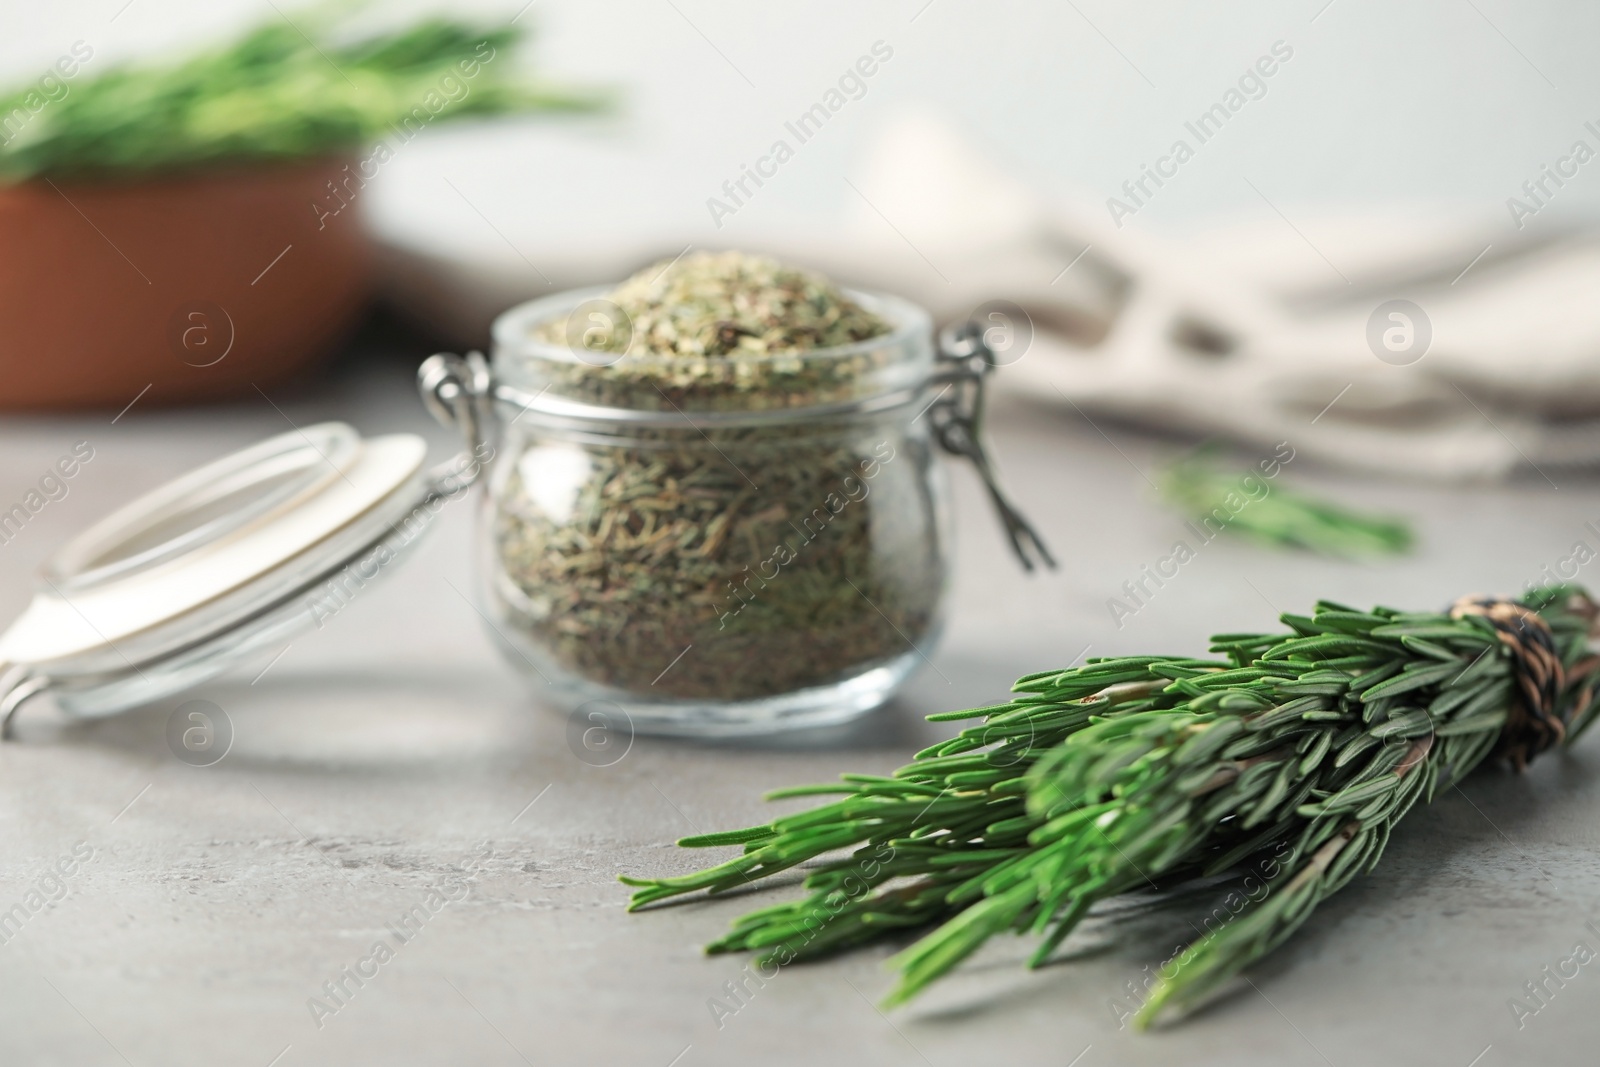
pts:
pixel 276 93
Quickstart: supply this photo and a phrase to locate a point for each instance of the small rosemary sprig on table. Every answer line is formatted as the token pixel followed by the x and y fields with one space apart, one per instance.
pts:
pixel 1138 771
pixel 1212 494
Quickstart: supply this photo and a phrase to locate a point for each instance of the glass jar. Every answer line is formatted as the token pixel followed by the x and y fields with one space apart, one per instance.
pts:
pixel 713 545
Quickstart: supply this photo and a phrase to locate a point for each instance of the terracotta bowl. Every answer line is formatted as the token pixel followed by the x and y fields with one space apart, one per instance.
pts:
pixel 198 286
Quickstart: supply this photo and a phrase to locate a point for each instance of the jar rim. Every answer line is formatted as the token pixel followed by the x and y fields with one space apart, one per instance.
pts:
pixel 512 333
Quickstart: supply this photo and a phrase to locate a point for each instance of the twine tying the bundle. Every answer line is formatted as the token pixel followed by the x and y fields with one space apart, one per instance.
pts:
pixel 1538 717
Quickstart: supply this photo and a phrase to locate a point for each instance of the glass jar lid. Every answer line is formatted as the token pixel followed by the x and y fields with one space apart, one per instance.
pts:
pixel 198 574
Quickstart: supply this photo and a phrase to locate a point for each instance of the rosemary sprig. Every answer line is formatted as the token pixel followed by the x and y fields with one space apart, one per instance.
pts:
pixel 1252 505
pixel 1296 752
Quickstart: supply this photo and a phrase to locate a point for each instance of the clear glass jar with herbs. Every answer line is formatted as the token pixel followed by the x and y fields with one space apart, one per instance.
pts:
pixel 712 502
pixel 714 515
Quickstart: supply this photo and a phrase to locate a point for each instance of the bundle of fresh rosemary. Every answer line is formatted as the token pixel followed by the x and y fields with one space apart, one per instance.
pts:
pixel 1296 753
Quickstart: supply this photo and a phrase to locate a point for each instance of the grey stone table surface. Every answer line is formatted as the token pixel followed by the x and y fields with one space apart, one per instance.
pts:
pixel 392 760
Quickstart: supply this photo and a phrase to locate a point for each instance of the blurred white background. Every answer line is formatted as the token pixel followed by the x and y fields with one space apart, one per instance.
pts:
pixel 1445 102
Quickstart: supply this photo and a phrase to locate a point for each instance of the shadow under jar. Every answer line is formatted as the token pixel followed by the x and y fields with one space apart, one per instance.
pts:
pixel 717 545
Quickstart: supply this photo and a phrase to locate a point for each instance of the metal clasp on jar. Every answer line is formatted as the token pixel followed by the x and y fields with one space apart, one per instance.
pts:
pixel 459 391
pixel 957 417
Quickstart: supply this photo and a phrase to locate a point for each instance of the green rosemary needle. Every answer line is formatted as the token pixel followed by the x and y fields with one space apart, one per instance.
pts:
pixel 1295 753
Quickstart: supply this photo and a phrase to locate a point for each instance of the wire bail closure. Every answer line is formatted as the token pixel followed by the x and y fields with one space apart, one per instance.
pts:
pixel 957 417
pixel 459 391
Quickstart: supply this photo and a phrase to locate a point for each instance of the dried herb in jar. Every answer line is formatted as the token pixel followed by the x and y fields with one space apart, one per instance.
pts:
pixel 721 563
